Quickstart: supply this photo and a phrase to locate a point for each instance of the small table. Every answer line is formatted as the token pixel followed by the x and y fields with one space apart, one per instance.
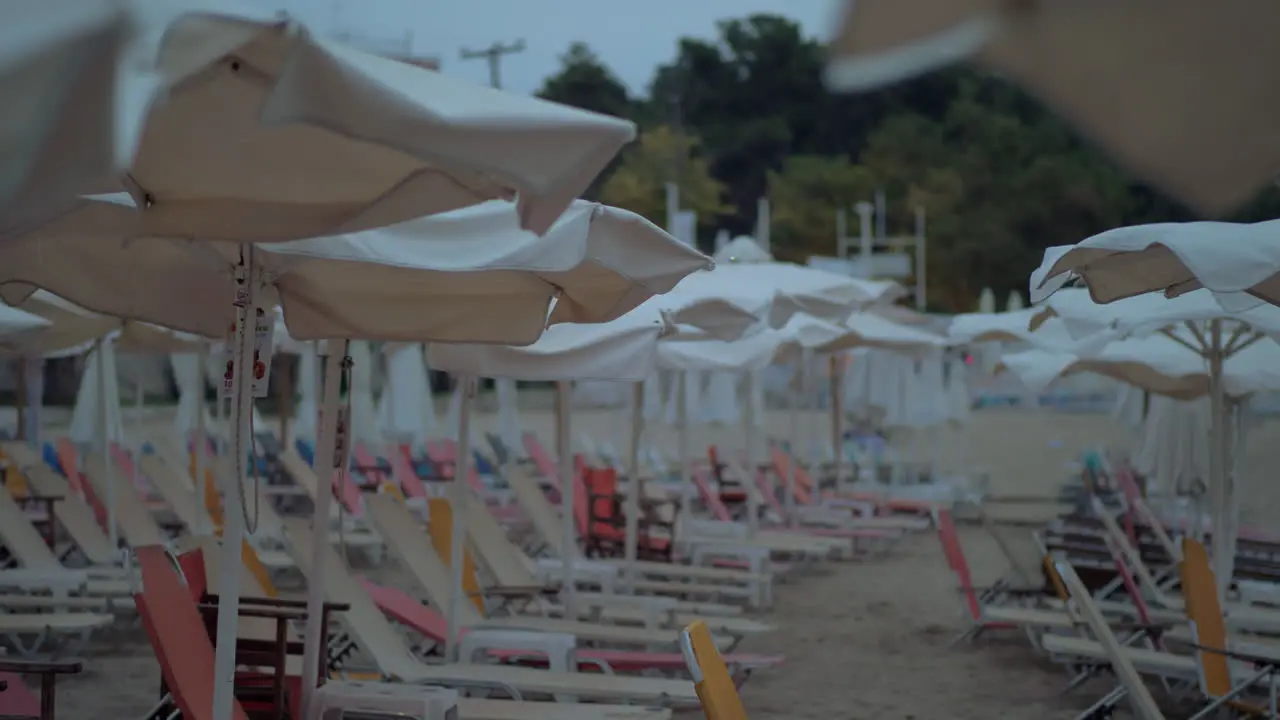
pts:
pixel 48 670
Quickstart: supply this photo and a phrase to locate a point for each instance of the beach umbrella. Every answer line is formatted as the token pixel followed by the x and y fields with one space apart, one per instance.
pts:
pixel 1238 262
pixel 255 129
pixel 59 62
pixel 1173 445
pixel 1235 354
pixel 1014 303
pixel 470 276
pixel 621 350
pixel 1169 88
pixel 595 261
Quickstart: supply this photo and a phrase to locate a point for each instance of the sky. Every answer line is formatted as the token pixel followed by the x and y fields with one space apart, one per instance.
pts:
pixel 631 37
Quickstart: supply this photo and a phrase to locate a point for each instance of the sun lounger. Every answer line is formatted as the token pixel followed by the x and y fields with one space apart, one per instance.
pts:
pixel 74 514
pixel 432 625
pixel 133 516
pixel 687 580
pixel 805 487
pixel 41 569
pixel 379 640
pixel 424 563
pixel 504 562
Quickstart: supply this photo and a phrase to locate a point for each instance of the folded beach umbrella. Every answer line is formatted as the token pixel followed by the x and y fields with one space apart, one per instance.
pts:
pixel 492 281
pixel 20 329
pixel 1170 87
pixel 1238 262
pixel 254 129
pixel 58 70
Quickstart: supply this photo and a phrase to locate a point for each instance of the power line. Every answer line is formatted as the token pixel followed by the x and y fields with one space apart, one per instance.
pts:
pixel 493 55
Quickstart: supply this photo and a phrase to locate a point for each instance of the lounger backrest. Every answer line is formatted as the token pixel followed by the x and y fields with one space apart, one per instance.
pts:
pixel 440 528
pixel 1133 497
pixel 69 459
pixel 1126 549
pixel 545 518
pixel 133 518
pixel 72 511
pixel 22 539
pixel 711 680
pixel 1139 696
pixel 371 630
pixel 406 610
pixel 957 561
pixel 404 537
pixel 176 492
pixel 494 548
pixel 178 635
pixel 782 464
pixel 709 497
pixel 1200 593
pixel 541 458
pixel 1130 587
pixel 403 473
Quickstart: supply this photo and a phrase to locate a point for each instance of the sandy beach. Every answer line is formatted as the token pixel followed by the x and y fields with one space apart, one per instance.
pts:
pixel 863 640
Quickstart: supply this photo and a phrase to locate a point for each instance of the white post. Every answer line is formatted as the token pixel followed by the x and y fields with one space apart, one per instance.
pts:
pixel 682 442
pixel 793 452
pixel 865 212
pixel 1219 480
pixel 922 267
pixel 458 506
pixel 564 450
pixel 233 529
pixel 33 377
pixel 763 226
pixel 104 441
pixel 315 638
pixel 749 474
pixel 815 429
pixel 633 482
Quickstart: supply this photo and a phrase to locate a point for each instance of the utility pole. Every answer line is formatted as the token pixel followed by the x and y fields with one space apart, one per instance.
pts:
pixel 493 55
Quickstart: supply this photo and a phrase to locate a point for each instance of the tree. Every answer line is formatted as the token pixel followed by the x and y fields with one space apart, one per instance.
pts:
pixel 585 82
pixel 805 196
pixel 660 156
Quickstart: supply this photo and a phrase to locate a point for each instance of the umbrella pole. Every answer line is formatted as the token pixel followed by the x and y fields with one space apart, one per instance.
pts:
pixel 793 453
pixel 633 483
pixel 325 459
pixel 837 422
pixel 567 497
pixel 200 447
pixel 682 431
pixel 748 475
pixel 233 530
pixel 815 427
pixel 1219 482
pixel 104 440
pixel 458 524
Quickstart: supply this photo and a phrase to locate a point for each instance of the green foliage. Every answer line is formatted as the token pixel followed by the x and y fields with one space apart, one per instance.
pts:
pixel 1000 177
pixel 661 154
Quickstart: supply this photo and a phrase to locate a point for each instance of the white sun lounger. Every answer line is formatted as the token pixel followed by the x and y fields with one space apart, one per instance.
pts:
pixel 376 637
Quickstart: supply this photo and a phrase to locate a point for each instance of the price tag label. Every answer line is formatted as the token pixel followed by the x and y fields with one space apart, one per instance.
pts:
pixel 263 346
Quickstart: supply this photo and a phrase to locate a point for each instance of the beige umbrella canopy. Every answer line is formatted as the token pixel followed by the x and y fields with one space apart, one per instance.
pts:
pixel 253 129
pixel 58 60
pixel 1175 89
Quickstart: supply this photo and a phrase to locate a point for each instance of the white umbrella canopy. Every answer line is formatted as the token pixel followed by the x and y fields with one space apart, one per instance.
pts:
pixel 622 349
pixel 1156 363
pixel 1015 303
pixel 20 329
pixel 58 67
pixel 1239 262
pixel 480 277
pixel 1170 88
pixel 256 130
pixel 1140 314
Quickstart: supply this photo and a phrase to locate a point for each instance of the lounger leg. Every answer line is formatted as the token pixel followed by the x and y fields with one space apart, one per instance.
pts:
pixel 969 635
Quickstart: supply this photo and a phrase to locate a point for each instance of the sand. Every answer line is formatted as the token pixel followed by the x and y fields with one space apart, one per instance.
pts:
pixel 866 639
